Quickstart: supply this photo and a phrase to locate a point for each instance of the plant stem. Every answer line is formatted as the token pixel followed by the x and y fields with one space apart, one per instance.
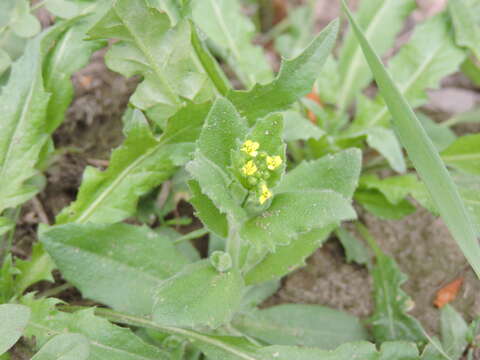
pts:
pixel 234 244
pixel 8 238
pixel 362 229
pixel 54 291
pixel 192 235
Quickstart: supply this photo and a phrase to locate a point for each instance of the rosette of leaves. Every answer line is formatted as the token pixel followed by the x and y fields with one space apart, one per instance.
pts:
pixel 231 176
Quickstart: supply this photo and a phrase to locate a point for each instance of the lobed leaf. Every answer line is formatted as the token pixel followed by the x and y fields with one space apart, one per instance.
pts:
pixel 390 320
pixel 161 54
pixel 136 167
pixel 295 79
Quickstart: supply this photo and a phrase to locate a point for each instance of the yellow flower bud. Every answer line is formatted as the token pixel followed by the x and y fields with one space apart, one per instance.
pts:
pixel 265 194
pixel 273 162
pixel 249 168
pixel 250 147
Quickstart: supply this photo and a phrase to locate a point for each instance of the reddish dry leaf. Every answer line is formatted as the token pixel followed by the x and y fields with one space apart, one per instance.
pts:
pixel 448 293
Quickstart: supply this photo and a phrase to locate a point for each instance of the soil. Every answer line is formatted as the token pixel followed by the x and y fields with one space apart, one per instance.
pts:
pixel 420 243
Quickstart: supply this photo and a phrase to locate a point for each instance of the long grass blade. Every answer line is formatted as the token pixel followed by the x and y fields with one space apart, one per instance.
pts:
pixel 423 155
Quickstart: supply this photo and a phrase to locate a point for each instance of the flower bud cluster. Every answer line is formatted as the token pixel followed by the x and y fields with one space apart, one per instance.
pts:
pixel 257 167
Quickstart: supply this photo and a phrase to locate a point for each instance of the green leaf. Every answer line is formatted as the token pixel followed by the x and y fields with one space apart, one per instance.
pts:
pixel 198 295
pixel 295 79
pixel 23 104
pixel 162 55
pixel 464 154
pixel 227 27
pixel 467 30
pixel 221 134
pixel 5 225
pixel 440 135
pixel 26 25
pixel 429 56
pixel 136 167
pixel 386 143
pixel 254 295
pixel 337 172
pixel 396 188
pixel 119 265
pixel 106 340
pixel 287 258
pixel 454 332
pixel 423 154
pixel 390 320
pixel 7 282
pixel 39 267
pixel 354 249
pixel 69 54
pixel 62 8
pixel 65 347
pixel 376 203
pixel 299 128
pixel 301 25
pixel 13 320
pixel 294 213
pixel 220 347
pixel 207 212
pixel 305 325
pixel 381 20
pixel 5 61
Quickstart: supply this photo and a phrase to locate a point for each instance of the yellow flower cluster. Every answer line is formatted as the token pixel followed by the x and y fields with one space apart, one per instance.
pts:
pixel 257 166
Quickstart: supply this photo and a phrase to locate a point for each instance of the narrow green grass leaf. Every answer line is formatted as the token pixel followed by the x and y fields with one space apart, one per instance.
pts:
pixel 423 155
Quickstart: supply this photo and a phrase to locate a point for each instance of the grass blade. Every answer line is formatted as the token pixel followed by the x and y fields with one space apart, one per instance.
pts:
pixel 423 155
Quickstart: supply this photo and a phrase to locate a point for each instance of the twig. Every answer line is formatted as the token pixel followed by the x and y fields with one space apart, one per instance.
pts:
pixel 40 211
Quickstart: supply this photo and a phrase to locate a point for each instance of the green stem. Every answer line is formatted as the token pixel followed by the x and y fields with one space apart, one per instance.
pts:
pixel 8 238
pixel 192 235
pixel 362 229
pixel 234 245
pixel 145 323
pixel 38 5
